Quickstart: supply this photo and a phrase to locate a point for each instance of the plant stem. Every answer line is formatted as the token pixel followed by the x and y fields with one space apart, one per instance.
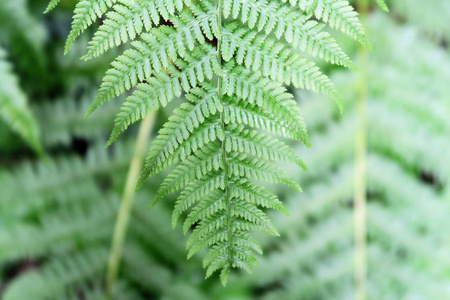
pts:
pixel 126 206
pixel 224 152
pixel 359 212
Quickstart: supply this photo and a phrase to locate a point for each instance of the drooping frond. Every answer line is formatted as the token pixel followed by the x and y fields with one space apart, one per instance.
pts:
pixel 230 59
pixel 14 109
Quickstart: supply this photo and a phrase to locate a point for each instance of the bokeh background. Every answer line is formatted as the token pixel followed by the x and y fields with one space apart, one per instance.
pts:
pixel 60 188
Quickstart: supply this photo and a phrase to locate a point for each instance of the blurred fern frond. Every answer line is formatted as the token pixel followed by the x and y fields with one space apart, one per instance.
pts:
pixel 20 27
pixel 14 109
pixel 63 119
pixel 429 19
pixel 65 180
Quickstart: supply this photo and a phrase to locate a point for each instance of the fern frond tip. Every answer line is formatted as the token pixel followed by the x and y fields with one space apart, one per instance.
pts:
pixel 51 6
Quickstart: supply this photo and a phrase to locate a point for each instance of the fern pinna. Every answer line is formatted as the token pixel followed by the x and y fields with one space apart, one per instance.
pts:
pixel 231 59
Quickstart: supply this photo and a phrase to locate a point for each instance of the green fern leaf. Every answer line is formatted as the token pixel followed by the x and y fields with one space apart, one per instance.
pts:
pixel 261 145
pixel 13 106
pixel 297 29
pixel 163 87
pixel 229 59
pixel 51 6
pixel 267 94
pixel 259 169
pixel 86 12
pixel 275 60
pixel 338 14
pixel 245 113
pixel 197 166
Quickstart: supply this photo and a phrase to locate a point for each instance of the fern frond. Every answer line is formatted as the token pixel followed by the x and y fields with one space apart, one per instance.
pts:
pixel 259 169
pixel 41 185
pixel 54 233
pixel 196 191
pixel 274 59
pixel 63 119
pixel 86 12
pixel 214 202
pixel 128 20
pixel 256 194
pixel 146 58
pixel 158 160
pixel 14 109
pixel 159 48
pixel 338 14
pixel 175 137
pixel 57 275
pixel 261 145
pixel 198 23
pixel 298 31
pixel 214 230
pixel 267 94
pixel 161 89
pixel 245 113
pixel 197 165
pixel 232 73
pixel 51 6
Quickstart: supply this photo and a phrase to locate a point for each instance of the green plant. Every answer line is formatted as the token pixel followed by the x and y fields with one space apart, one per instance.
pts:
pixel 57 213
pixel 231 58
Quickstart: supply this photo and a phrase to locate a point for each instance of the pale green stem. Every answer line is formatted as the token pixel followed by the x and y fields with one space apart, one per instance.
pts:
pixel 224 152
pixel 360 169
pixel 126 205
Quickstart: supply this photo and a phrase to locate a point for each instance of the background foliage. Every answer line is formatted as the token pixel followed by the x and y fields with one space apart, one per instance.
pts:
pixel 60 189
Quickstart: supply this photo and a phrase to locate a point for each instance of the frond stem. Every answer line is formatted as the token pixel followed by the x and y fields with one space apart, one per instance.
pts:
pixel 222 122
pixel 126 205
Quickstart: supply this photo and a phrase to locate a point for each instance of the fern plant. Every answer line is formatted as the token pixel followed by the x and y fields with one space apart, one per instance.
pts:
pixel 231 59
pixel 49 208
